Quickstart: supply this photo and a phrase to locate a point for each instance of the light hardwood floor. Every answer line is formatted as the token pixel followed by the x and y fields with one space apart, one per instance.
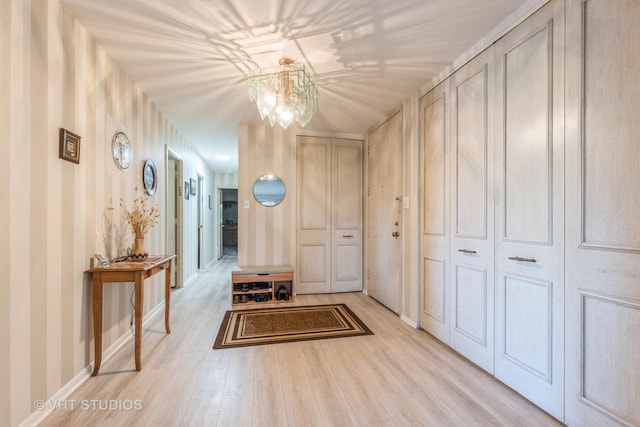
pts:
pixel 398 377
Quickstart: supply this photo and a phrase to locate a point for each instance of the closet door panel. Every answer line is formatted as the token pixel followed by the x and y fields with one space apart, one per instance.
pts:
pixel 527 151
pixel 312 268
pixel 471 141
pixel 435 161
pixel 529 257
pixel 314 215
pixel 470 316
pixel 434 223
pixel 434 302
pixel 472 201
pixel 347 194
pixel 612 129
pixel 347 267
pixel 527 314
pixel 603 248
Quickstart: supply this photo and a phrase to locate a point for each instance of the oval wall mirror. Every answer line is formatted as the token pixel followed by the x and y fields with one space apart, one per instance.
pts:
pixel 268 190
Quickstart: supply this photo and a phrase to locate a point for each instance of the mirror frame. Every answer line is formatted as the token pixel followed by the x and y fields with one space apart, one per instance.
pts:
pixel 269 177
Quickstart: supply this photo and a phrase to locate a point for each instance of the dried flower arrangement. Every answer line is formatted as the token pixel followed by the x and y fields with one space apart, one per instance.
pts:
pixel 113 230
pixel 140 217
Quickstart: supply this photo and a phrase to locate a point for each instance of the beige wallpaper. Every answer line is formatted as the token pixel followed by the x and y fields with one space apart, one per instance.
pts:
pixel 52 221
pixel 266 235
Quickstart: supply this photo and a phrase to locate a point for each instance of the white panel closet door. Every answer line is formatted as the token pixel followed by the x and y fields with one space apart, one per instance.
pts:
pixel 346 218
pixel 313 270
pixel 329 229
pixel 530 209
pixel 603 212
pixel 472 202
pixel 434 212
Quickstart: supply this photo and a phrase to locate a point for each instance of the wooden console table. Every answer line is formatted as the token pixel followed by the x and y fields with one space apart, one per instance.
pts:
pixel 135 272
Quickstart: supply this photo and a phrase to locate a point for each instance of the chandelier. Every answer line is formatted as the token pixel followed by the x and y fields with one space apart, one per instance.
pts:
pixel 284 96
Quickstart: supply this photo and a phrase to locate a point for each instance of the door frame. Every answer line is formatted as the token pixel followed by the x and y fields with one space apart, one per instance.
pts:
pixel 200 224
pixel 220 216
pixel 220 224
pixel 169 153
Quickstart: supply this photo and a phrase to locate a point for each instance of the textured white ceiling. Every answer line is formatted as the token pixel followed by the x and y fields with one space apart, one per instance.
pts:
pixel 191 56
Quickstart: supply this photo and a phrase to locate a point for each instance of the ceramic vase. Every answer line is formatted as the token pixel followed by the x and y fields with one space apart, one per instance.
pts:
pixel 138 252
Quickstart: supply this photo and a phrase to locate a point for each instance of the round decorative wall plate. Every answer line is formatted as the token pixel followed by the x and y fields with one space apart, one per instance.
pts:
pixel 121 150
pixel 150 177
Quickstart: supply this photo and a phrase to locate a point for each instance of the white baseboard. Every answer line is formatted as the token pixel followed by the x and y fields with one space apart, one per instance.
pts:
pixel 39 416
pixel 410 322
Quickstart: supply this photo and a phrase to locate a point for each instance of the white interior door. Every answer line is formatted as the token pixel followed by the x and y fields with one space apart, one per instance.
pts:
pixel 314 215
pixel 530 209
pixel 603 208
pixel 384 213
pixel 472 201
pixel 434 212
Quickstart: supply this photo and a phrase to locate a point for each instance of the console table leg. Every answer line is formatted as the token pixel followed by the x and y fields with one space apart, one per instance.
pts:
pixel 167 297
pixel 97 322
pixel 138 309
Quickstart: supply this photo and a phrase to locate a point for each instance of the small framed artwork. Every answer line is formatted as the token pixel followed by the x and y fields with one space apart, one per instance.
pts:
pixel 186 190
pixel 69 146
pixel 193 187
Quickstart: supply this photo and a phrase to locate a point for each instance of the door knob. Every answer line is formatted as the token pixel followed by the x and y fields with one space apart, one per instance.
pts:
pixel 395 234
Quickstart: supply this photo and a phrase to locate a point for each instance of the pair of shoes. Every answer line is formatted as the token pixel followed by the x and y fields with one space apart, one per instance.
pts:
pixel 244 298
pixel 236 299
pixel 261 297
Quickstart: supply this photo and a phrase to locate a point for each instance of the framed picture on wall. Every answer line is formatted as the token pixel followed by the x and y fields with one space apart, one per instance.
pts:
pixel 69 146
pixel 193 187
pixel 186 190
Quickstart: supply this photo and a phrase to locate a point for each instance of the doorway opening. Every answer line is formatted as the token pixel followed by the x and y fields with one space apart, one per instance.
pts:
pixel 228 216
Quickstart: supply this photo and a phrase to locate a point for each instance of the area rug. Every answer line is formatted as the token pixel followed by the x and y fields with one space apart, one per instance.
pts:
pixel 285 324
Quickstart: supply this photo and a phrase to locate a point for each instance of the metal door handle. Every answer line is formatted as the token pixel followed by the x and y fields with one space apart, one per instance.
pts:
pixel 467 251
pixel 395 234
pixel 520 259
pixel 347 236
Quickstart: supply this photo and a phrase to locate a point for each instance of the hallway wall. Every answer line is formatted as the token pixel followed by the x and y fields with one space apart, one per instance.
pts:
pixel 54 213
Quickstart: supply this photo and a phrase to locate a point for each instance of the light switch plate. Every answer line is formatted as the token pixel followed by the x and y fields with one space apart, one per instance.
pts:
pixel 246 204
pixel 405 202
